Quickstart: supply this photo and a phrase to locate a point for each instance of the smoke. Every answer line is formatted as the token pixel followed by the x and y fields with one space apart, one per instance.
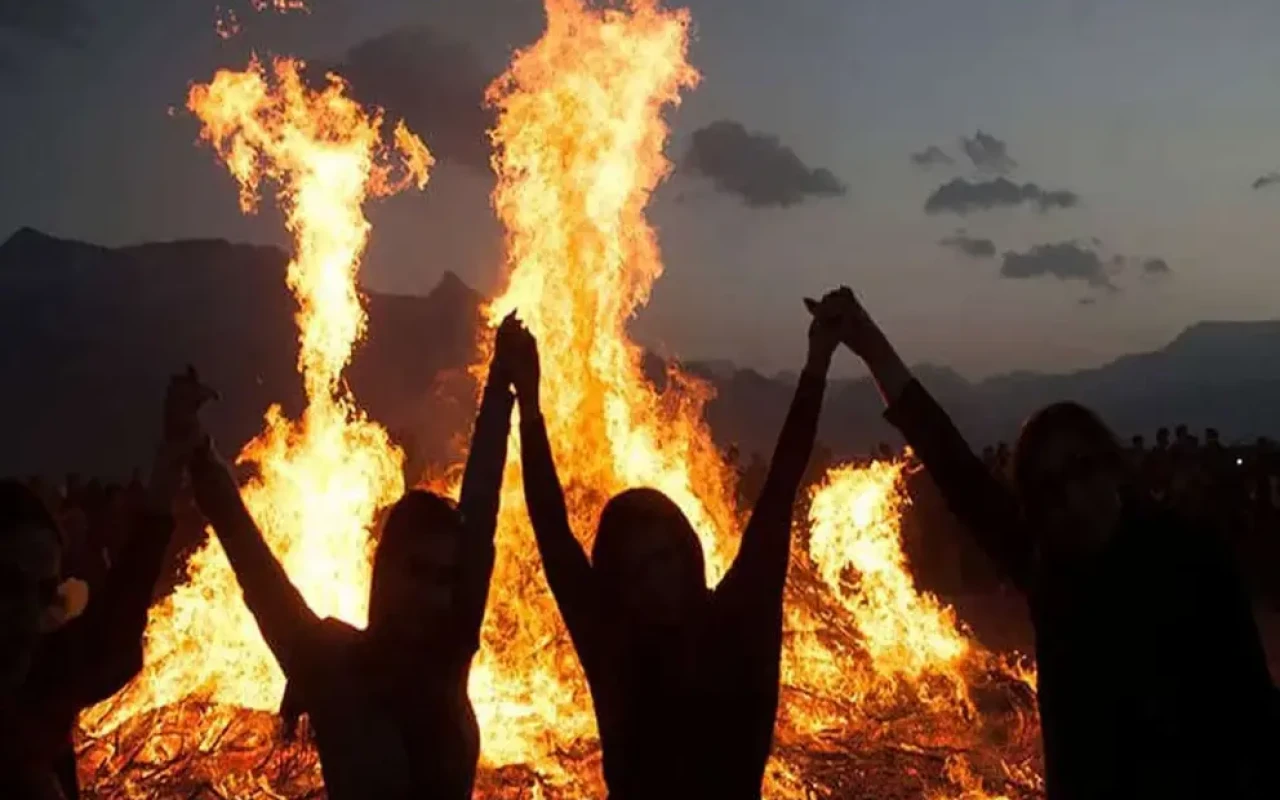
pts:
pixel 961 196
pixel 932 156
pixel 435 83
pixel 969 246
pixel 988 153
pixel 756 167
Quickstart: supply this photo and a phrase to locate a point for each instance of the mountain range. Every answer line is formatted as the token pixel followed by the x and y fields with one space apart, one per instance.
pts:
pixel 89 334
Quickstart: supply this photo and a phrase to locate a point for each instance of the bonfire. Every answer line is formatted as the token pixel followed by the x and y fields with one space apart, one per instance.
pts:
pixel 885 694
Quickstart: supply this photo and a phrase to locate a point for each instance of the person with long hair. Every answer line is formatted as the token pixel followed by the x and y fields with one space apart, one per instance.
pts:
pixel 388 705
pixel 1152 677
pixel 684 678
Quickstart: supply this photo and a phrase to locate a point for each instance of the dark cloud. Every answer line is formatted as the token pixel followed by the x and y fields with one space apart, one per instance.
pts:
pixel 61 21
pixel 972 247
pixel 756 167
pixel 1156 266
pixel 435 83
pixel 1270 179
pixel 932 156
pixel 964 197
pixel 988 153
pixel 1066 261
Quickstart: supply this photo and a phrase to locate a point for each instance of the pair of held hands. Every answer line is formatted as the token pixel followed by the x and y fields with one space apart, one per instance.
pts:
pixel 515 359
pixel 838 318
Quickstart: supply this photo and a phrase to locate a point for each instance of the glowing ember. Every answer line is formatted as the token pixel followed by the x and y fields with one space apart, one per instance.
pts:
pixel 319 480
pixel 281 6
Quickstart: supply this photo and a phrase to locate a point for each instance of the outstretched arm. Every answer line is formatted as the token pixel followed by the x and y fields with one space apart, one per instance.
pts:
pixel 759 573
pixel 977 499
pixel 568 570
pixel 482 492
pixel 286 622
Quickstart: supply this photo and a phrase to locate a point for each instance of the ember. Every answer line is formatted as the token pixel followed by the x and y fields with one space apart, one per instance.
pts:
pixel 884 696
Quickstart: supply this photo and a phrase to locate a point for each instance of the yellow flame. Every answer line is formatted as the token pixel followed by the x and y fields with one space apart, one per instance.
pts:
pixel 319 480
pixel 855 541
pixel 579 149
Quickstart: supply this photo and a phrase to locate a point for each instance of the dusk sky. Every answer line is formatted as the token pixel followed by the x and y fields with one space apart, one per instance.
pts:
pixel 1108 202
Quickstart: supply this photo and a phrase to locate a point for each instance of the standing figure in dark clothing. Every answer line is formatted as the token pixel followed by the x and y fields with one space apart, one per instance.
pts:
pixel 684 678
pixel 388 705
pixel 54 660
pixel 1152 678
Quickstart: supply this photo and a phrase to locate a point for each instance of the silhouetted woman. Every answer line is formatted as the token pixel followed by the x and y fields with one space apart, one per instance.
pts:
pixel 54 660
pixel 1153 680
pixel 388 705
pixel 684 679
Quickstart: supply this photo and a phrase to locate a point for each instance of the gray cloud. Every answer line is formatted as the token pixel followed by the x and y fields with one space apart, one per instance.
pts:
pixel 1271 178
pixel 756 167
pixel 1156 266
pixel 61 21
pixel 988 153
pixel 435 83
pixel 932 156
pixel 970 246
pixel 962 197
pixel 1066 261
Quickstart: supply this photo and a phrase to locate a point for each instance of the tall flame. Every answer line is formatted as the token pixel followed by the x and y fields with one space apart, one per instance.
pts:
pixel 319 480
pixel 579 149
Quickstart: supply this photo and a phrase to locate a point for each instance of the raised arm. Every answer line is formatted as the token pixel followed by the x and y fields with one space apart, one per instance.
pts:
pixel 287 624
pixel 759 573
pixel 482 486
pixel 977 499
pixel 568 570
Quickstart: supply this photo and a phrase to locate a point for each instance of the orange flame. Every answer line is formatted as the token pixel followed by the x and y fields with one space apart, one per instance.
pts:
pixel 856 543
pixel 580 140
pixel 319 480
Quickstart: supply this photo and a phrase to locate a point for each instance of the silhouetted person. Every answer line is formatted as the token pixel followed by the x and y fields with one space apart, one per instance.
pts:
pixel 388 705
pixel 1152 678
pixel 62 647
pixel 684 678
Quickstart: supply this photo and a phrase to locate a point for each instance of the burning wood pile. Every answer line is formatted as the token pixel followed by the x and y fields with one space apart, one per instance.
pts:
pixel 884 694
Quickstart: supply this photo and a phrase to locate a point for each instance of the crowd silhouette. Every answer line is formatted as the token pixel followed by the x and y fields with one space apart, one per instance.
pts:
pixel 1153 681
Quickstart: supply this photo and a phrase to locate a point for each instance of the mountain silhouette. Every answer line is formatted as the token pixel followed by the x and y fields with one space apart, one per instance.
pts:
pixel 88 336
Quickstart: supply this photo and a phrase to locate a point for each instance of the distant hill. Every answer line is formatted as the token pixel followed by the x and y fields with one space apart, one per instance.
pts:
pixel 89 334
